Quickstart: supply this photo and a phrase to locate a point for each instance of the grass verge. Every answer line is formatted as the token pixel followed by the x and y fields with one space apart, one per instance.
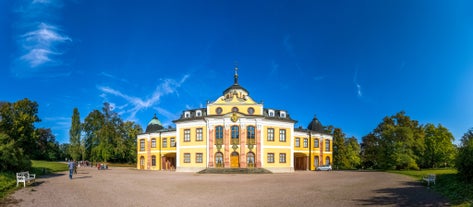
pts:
pixel 447 184
pixel 8 179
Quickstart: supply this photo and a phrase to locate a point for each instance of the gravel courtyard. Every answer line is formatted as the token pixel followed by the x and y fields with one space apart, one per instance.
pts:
pixel 130 187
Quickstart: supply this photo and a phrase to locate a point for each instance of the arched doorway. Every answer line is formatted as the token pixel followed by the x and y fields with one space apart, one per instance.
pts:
pixel 142 163
pixel 218 159
pixel 250 159
pixel 327 160
pixel 316 161
pixel 234 160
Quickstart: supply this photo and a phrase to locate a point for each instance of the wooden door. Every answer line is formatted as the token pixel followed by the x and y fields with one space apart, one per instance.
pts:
pixel 234 160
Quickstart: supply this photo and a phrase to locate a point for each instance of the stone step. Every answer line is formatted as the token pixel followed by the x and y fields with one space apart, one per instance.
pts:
pixel 235 171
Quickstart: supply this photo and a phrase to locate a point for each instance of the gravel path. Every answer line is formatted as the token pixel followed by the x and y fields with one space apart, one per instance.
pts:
pixel 128 187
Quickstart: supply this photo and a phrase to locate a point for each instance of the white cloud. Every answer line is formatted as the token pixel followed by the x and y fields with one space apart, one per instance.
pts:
pixel 40 42
pixel 359 93
pixel 168 86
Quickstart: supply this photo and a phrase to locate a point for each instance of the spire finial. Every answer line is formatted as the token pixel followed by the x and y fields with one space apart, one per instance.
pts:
pixel 236 75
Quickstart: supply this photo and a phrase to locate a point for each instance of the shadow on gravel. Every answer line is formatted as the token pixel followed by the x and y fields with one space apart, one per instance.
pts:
pixel 415 194
pixel 9 202
pixel 81 177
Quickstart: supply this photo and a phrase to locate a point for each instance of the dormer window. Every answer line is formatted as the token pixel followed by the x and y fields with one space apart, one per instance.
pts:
pixel 187 114
pixel 271 113
pixel 282 114
pixel 198 113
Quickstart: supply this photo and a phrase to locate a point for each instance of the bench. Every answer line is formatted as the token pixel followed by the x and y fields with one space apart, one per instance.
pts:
pixel 429 179
pixel 24 177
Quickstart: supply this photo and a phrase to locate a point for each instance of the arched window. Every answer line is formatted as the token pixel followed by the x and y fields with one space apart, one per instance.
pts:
pixel 250 159
pixel 153 160
pixel 142 162
pixel 250 134
pixel 218 159
pixel 235 134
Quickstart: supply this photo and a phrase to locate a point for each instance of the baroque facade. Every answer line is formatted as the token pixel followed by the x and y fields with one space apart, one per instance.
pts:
pixel 233 131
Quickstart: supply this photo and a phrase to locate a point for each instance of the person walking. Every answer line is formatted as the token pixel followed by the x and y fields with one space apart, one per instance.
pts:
pixel 71 168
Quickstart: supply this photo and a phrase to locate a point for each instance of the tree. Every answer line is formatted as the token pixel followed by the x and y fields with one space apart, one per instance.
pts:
pixel 47 146
pixel 130 131
pixel 92 125
pixel 108 138
pixel 352 153
pixel 396 143
pixel 464 161
pixel 12 158
pixel 439 148
pixel 369 151
pixel 339 150
pixel 75 136
pixel 17 121
pixel 346 152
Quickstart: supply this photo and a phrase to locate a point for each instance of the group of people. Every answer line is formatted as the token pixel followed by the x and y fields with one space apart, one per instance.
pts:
pixel 72 165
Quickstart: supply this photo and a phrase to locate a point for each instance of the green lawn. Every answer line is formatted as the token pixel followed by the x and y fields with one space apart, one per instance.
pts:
pixel 8 179
pixel 448 184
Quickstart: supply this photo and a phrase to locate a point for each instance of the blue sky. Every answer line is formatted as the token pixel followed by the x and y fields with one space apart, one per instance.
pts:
pixel 349 62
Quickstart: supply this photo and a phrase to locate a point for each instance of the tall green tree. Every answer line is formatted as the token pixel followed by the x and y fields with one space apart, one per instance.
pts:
pixel 396 143
pixel 346 151
pixel 439 148
pixel 47 146
pixel 108 138
pixel 369 151
pixel 18 121
pixel 339 150
pixel 75 136
pixel 352 153
pixel 130 131
pixel 92 126
pixel 464 161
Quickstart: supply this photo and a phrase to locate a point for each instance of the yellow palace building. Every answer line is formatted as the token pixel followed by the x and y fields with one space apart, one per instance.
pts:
pixel 233 131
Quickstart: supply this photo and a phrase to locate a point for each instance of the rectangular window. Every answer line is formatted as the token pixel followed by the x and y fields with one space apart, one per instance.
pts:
pixel 327 145
pixel 270 157
pixel 316 143
pixel 142 145
pixel 282 157
pixel 153 160
pixel 270 134
pixel 187 135
pixel 298 142
pixel 198 157
pixel 198 133
pixel 173 142
pixel 306 143
pixel 282 135
pixel 165 142
pixel 153 143
pixel 187 157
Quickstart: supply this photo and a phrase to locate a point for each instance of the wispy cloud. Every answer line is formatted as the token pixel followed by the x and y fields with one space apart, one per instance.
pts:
pixel 40 42
pixel 108 75
pixel 359 93
pixel 168 86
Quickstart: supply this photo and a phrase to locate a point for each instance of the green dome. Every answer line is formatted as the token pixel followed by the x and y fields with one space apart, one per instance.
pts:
pixel 154 125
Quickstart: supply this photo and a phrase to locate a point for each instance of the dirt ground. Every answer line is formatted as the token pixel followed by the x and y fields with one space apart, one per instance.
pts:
pixel 130 187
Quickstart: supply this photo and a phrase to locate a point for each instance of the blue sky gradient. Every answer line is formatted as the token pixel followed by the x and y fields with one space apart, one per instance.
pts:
pixel 349 62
